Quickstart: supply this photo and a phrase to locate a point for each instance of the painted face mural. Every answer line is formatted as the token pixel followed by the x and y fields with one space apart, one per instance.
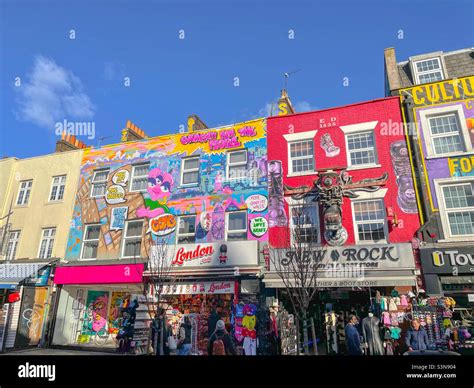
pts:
pixel 95 319
pixel 159 188
pixel 276 203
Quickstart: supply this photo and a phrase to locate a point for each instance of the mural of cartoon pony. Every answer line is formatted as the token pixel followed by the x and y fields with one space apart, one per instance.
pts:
pixel 159 188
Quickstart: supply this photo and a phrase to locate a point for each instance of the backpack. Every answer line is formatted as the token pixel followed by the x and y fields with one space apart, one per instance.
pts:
pixel 218 348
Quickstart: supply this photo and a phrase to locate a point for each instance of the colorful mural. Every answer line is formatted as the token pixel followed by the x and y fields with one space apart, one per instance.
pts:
pixel 223 185
pixel 119 300
pixel 95 316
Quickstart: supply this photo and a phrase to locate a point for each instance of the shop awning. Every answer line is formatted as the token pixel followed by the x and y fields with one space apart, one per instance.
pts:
pixel 274 281
pixel 12 273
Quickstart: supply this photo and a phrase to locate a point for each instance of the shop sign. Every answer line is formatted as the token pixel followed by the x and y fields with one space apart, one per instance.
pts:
pixel 121 177
pixel 256 203
pixel 118 217
pixel 221 287
pixel 115 194
pixel 162 225
pixel 448 260
pixel 258 226
pixel 369 256
pixel 214 255
pixel 444 91
pixel 18 272
pixel 463 166
pixel 223 139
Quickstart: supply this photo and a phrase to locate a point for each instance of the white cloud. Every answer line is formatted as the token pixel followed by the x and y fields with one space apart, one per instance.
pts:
pixel 304 106
pixel 50 94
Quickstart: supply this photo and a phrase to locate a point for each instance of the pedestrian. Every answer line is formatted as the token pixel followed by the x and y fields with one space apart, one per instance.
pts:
pixel 416 337
pixel 352 337
pixel 220 342
pixel 211 322
pixel 184 345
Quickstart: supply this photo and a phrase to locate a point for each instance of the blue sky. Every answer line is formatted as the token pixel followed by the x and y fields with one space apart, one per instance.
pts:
pixel 170 78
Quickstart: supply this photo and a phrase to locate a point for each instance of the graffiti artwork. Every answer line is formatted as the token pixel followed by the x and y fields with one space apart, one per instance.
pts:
pixel 120 300
pixel 217 187
pixel 328 146
pixel 95 316
pixel 276 207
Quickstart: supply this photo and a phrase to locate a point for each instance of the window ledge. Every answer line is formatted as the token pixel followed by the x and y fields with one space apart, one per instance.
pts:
pixel 453 155
pixel 188 186
pixel 367 166
pixel 21 206
pixel 87 259
pixel 466 238
pixel 301 174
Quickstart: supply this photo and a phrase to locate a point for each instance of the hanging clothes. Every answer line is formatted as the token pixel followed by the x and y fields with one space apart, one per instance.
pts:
pixel 371 333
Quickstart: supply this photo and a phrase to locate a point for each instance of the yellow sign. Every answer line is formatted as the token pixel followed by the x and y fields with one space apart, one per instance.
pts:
pixel 461 166
pixel 444 91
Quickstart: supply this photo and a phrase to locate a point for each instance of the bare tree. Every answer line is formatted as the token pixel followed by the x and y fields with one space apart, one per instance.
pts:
pixel 295 264
pixel 158 278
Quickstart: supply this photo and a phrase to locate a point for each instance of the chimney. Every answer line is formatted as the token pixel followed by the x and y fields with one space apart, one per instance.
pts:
pixel 392 77
pixel 285 107
pixel 131 133
pixel 69 143
pixel 196 124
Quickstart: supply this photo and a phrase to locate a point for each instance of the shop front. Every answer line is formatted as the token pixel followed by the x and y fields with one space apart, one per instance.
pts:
pixel 449 271
pixel 25 297
pixel 363 280
pixel 92 300
pixel 210 282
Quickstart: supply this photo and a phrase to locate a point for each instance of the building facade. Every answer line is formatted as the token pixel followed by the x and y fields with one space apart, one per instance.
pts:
pixel 197 200
pixel 348 176
pixel 437 95
pixel 37 197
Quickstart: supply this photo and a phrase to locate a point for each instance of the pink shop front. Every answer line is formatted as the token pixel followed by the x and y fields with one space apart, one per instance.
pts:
pixel 91 300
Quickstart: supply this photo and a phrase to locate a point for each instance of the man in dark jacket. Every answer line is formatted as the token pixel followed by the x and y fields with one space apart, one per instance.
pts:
pixel 352 337
pixel 221 334
pixel 211 322
pixel 416 338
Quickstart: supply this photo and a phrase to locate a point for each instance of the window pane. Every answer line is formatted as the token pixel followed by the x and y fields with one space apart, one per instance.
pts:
pixel 237 221
pixel 301 149
pixel 444 124
pixel 461 223
pixel 42 254
pixel 139 184
pixel 132 247
pixel 237 236
pixel 98 189
pixel 61 193
pixel 53 193
pixel 238 157
pixel 134 229
pixel 430 64
pixel 431 77
pixel 237 171
pixel 187 225
pixel 140 170
pixel 191 163
pixel 303 165
pixel 190 177
pixel 101 176
pixel 368 210
pixel 458 196
pixel 93 232
pixel 371 232
pixel 90 250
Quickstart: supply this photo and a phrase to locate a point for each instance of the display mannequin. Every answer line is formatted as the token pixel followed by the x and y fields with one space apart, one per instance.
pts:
pixel 370 330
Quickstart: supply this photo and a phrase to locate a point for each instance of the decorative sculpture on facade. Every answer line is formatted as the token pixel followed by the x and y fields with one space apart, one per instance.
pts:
pixel 329 191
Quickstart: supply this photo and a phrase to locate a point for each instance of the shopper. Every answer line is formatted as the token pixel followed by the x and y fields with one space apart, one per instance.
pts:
pixel 185 338
pixel 416 338
pixel 220 343
pixel 211 322
pixel 352 337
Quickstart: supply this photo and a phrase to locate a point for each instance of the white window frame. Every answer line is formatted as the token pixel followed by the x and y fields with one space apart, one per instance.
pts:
pixel 427 57
pixel 178 234
pixel 15 242
pixel 227 215
pixel 84 241
pixel 355 129
pixel 99 182
pixel 49 242
pixel 228 164
pixel 426 114
pixel 317 224
pixel 59 185
pixel 296 138
pixel 189 170
pixel 439 184
pixel 364 197
pixel 125 238
pixel 25 199
pixel 140 176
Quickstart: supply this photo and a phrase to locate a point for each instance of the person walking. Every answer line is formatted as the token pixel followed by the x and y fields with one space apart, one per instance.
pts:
pixel 184 347
pixel 416 338
pixel 352 337
pixel 220 342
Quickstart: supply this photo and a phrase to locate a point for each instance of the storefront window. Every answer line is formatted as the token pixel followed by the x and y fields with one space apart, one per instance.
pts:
pixel 459 202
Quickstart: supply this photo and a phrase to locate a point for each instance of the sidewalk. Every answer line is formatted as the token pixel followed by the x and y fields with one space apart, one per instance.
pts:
pixel 55 352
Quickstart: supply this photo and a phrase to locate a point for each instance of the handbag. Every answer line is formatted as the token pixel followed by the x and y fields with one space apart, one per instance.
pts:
pixel 172 345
